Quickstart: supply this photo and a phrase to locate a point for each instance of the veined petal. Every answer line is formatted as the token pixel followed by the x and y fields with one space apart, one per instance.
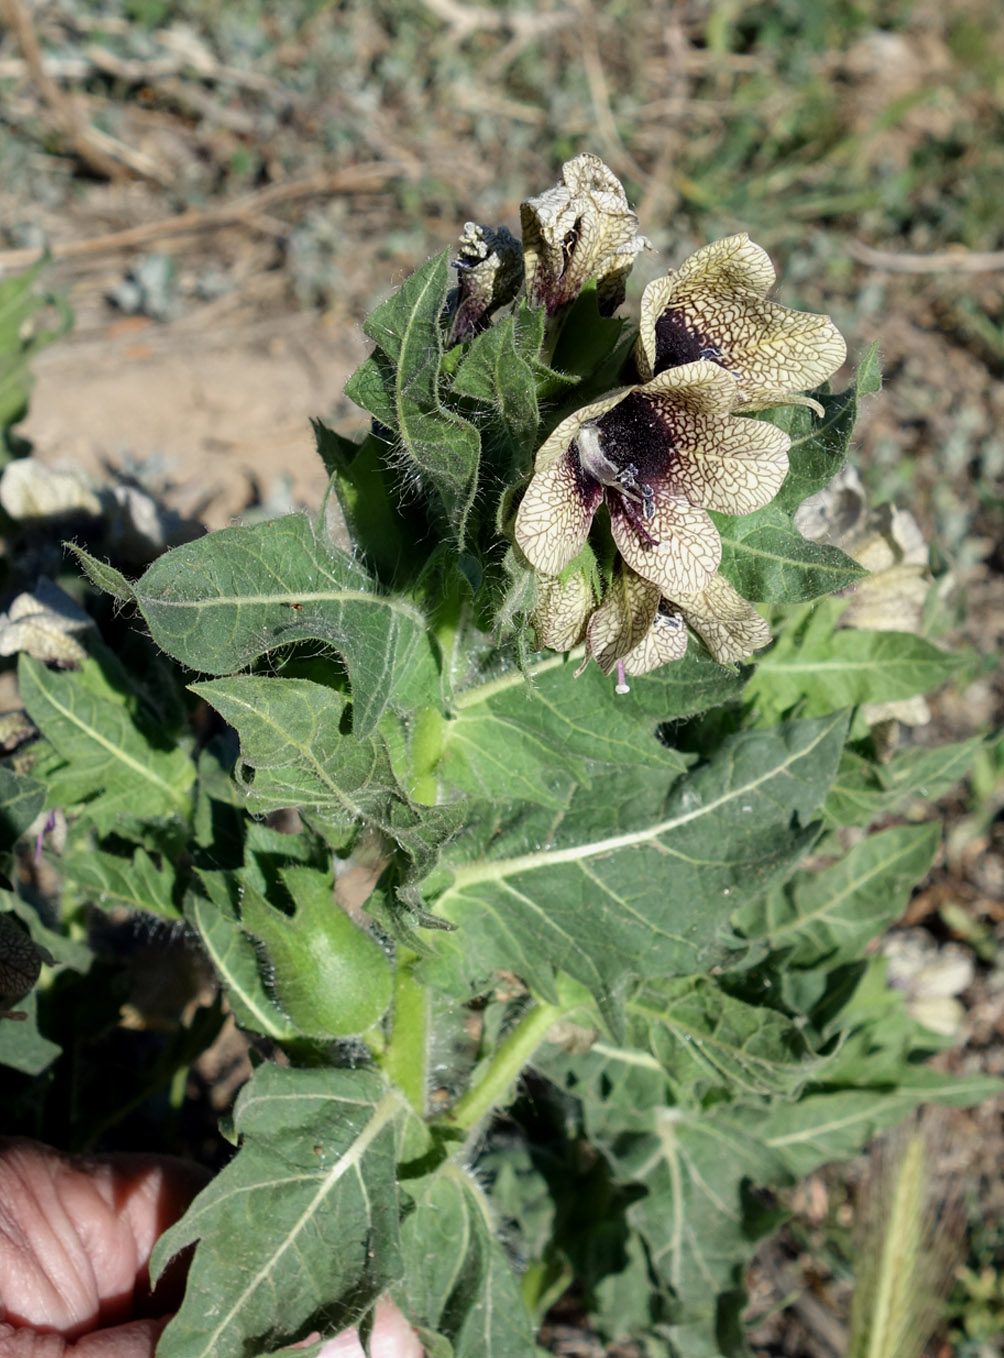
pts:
pixel 730 626
pixel 622 620
pixel 730 465
pixel 664 642
pixel 559 619
pixel 683 549
pixel 554 517
pixel 714 307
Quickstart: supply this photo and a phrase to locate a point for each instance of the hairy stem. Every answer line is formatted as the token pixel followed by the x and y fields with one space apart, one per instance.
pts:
pixel 504 1068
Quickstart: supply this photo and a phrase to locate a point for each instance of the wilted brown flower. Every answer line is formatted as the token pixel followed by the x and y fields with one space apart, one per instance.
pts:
pixel 581 229
pixel 489 266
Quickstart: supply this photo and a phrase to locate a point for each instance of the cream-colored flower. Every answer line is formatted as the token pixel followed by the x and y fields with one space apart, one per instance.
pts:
pixel 637 628
pixel 581 229
pixel 562 610
pixel 714 307
pixel 662 454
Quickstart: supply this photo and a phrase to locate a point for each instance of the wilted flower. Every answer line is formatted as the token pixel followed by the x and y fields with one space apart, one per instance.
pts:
pixel 663 454
pixel 714 307
pixel 583 228
pixel 636 628
pixel 563 608
pixel 489 266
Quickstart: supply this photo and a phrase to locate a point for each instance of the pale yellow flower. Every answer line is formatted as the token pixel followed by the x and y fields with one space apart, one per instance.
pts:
pixel 714 307
pixel 636 630
pixel 662 454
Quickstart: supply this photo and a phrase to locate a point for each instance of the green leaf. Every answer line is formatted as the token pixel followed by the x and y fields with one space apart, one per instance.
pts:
pixel 293 737
pixel 848 667
pixel 21 800
pixel 386 532
pixel 300 1230
pixel 22 1046
pixel 101 574
pixel 533 737
pixel 457 1279
pixel 768 560
pixel 819 443
pixel 637 876
pixel 832 914
pixel 708 1041
pixel 864 790
pixel 219 603
pixel 400 388
pixel 499 370
pixel 763 554
pixel 115 771
pixel 111 880
pixel 234 956
pixel 535 740
pixel 835 1126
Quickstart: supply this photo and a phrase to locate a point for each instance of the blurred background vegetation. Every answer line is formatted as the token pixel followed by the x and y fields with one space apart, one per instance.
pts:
pixel 255 175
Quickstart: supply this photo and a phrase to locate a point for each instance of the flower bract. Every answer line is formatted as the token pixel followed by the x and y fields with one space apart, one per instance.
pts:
pixel 714 307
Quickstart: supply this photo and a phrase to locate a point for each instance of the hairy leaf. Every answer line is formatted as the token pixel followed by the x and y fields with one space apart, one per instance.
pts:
pixel 849 667
pixel 863 790
pixel 113 769
pixel 219 603
pixel 300 1230
pixel 832 914
pixel 636 876
pixel 400 388
pixel 457 1279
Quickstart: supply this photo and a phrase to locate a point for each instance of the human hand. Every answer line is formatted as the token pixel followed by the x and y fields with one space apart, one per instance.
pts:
pixel 76 1234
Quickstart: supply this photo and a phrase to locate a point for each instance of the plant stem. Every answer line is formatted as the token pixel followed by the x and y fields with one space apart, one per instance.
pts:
pixel 504 1068
pixel 404 1061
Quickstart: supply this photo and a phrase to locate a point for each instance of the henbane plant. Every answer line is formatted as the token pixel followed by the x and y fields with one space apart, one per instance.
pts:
pixel 597 1004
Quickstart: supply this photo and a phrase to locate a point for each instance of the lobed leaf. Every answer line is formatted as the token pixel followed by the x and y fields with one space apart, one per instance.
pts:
pixel 863 790
pixel 300 1230
pixel 114 769
pixel 635 876
pixel 848 667
pixel 768 560
pixel 219 603
pixel 457 1280
pixel 832 914
pixel 112 880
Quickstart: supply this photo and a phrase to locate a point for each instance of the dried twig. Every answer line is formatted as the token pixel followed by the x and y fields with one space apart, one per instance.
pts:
pixel 242 211
pixel 957 260
pixel 464 20
pixel 105 155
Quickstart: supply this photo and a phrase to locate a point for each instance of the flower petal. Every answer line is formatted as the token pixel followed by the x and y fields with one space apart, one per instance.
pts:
pixel 582 228
pixel 559 619
pixel 622 620
pixel 664 642
pixel 684 547
pixel 729 625
pixel 731 465
pixel 714 307
pixel 554 517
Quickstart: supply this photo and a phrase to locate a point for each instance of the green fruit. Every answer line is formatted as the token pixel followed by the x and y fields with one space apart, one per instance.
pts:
pixel 331 977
